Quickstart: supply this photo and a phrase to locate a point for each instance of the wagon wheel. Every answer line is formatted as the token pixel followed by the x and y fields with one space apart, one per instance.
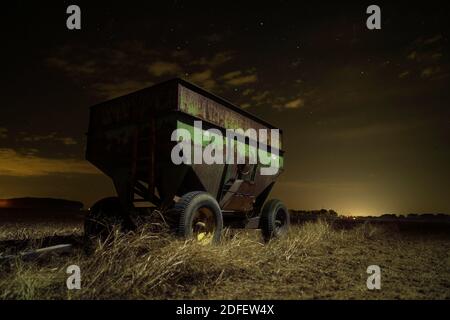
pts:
pixel 274 219
pixel 103 216
pixel 200 217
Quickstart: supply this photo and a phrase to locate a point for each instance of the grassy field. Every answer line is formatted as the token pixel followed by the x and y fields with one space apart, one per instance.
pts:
pixel 315 261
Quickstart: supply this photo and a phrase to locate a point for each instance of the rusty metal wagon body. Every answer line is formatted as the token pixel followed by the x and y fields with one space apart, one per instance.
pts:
pixel 130 140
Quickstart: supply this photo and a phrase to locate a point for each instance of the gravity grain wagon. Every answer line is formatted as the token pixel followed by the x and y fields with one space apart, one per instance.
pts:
pixel 130 139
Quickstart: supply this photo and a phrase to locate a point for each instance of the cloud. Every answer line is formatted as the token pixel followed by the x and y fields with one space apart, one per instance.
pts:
pixel 26 165
pixel 112 72
pixel 278 102
pixel 436 56
pixel 295 104
pixel 243 80
pixel 412 55
pixel 424 56
pixel 160 68
pixel 180 54
pixel 203 79
pixel 423 42
pixel 237 78
pixel 427 54
pixel 83 68
pixel 108 70
pixel 213 37
pixel 231 75
pixel 261 97
pixel 267 98
pixel 218 59
pixel 68 141
pixel 248 92
pixel 432 40
pixel 430 72
pixel 3 133
pixel 84 62
pixel 48 137
pixel 113 90
pixel 403 74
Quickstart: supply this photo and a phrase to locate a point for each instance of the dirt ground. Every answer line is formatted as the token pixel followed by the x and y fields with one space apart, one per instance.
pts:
pixel 315 261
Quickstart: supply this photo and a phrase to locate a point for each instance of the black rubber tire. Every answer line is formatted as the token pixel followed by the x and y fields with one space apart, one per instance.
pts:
pixel 186 208
pixel 275 219
pixel 102 217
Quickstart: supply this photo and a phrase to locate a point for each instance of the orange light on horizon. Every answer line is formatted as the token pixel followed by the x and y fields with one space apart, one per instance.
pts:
pixel 4 203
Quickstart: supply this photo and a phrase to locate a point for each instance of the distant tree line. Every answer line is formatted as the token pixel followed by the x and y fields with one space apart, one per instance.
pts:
pixel 297 215
pixel 40 203
pixel 329 214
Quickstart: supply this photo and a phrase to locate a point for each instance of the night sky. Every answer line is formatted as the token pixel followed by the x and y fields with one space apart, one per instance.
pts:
pixel 365 113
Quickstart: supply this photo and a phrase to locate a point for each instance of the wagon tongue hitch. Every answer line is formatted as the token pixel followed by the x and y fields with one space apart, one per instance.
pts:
pixel 38 253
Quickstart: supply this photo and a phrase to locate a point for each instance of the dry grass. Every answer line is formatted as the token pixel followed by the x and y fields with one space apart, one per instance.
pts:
pixel 313 261
pixel 20 231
